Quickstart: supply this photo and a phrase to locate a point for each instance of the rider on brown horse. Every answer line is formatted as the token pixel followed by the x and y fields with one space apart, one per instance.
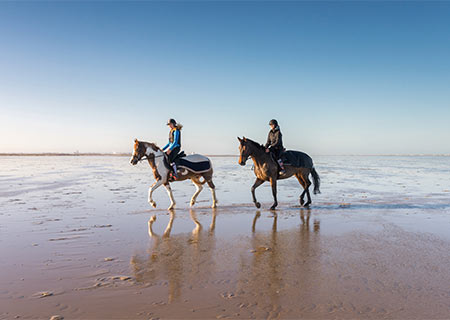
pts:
pixel 172 148
pixel 274 143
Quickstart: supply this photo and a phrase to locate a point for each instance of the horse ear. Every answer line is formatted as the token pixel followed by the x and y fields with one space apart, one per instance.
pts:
pixel 244 138
pixel 240 140
pixel 135 140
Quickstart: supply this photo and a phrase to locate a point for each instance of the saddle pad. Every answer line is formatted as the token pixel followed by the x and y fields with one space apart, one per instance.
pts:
pixel 195 163
pixel 297 159
pixel 195 158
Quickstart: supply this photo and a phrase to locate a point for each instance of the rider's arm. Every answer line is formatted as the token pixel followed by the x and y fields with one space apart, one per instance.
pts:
pixel 176 140
pixel 165 147
pixel 268 141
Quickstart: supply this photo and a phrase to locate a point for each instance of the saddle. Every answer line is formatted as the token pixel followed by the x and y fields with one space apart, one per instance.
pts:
pixel 181 154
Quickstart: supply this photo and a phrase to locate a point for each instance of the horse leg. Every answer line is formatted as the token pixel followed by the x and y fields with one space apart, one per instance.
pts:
pixel 257 183
pixel 308 184
pixel 154 186
pixel 169 225
pixel 273 183
pixel 172 200
pixel 212 226
pixel 257 215
pixel 150 226
pixel 213 192
pixel 302 183
pixel 199 187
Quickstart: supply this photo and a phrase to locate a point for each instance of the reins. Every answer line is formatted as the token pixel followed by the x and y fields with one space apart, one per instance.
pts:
pixel 146 157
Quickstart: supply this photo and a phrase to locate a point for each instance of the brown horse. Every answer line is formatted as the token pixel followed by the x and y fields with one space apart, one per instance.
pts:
pixel 266 169
pixel 157 161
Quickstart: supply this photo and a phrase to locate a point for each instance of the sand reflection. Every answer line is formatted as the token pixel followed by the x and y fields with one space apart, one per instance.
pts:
pixel 176 260
pixel 275 267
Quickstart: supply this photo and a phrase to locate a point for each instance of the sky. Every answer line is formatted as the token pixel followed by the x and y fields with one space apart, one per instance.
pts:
pixel 340 77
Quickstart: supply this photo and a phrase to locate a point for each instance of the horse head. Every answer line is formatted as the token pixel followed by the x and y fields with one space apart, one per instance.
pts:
pixel 142 149
pixel 244 150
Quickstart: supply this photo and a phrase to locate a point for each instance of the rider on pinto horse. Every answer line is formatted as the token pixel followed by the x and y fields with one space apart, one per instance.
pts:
pixel 274 143
pixel 172 148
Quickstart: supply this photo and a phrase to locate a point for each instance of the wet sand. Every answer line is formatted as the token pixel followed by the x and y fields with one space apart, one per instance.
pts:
pixel 78 239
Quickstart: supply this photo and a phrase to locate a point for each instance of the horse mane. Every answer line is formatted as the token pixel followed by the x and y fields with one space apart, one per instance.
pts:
pixel 254 143
pixel 150 144
pixel 153 146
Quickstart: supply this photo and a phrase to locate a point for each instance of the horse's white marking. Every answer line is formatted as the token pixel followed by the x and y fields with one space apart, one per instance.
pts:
pixel 155 186
pixel 213 192
pixel 172 200
pixel 132 154
pixel 199 188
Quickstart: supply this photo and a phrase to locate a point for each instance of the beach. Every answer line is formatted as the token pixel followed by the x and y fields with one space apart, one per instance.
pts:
pixel 78 239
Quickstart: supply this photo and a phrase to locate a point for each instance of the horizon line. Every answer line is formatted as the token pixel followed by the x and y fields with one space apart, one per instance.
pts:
pixel 123 154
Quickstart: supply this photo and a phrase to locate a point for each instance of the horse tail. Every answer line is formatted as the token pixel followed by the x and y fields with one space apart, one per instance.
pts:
pixel 316 180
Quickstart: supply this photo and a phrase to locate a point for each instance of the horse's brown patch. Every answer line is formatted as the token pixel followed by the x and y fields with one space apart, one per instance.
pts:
pixel 153 146
pixel 151 162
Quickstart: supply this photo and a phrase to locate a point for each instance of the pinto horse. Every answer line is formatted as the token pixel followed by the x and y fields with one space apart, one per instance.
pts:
pixel 158 162
pixel 266 169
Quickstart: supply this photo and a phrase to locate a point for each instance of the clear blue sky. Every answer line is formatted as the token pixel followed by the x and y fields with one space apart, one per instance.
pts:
pixel 341 77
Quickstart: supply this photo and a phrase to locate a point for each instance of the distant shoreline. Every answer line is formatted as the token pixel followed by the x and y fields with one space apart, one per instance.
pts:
pixel 60 154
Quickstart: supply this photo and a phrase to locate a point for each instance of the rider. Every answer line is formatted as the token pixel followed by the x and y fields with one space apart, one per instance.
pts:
pixel 172 148
pixel 274 142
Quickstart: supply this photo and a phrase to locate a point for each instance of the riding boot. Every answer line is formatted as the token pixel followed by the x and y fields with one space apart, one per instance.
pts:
pixel 174 173
pixel 282 171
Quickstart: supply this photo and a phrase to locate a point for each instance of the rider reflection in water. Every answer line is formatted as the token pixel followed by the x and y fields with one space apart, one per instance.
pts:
pixel 172 148
pixel 274 143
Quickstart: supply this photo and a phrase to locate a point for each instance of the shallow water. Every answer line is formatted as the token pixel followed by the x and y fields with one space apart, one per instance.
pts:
pixel 374 243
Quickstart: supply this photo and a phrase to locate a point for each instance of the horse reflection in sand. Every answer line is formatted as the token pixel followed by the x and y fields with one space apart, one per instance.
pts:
pixel 156 159
pixel 177 260
pixel 253 275
pixel 284 266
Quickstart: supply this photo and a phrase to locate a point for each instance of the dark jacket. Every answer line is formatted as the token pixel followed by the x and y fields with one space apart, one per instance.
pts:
pixel 274 139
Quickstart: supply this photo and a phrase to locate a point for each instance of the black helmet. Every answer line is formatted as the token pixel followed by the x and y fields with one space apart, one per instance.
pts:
pixel 172 121
pixel 274 122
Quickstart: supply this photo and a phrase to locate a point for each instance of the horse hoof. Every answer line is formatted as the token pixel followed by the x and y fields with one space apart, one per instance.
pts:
pixel 258 205
pixel 214 206
pixel 307 204
pixel 192 203
pixel 302 202
pixel 273 207
pixel 153 204
pixel 152 219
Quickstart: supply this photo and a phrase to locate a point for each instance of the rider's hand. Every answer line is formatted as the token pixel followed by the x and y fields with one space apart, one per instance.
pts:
pixel 169 151
pixel 267 150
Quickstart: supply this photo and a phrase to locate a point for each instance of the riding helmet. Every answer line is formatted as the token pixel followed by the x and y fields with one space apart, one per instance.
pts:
pixel 172 121
pixel 274 122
